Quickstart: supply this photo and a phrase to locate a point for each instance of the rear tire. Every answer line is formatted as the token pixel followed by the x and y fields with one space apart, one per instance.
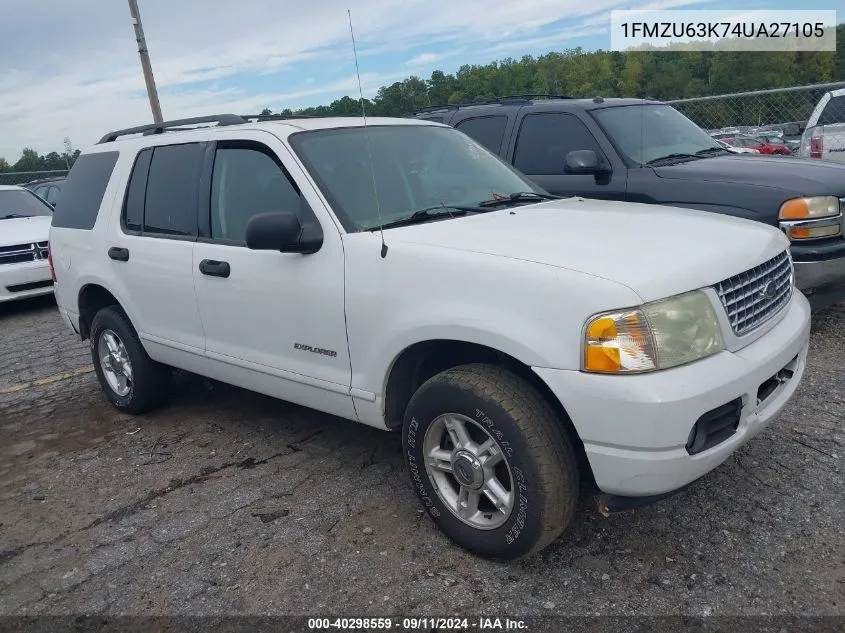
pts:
pixel 521 503
pixel 132 381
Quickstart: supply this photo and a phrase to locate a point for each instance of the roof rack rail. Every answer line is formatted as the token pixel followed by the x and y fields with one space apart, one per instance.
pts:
pixel 278 117
pixel 435 108
pixel 158 128
pixel 528 97
pixel 504 99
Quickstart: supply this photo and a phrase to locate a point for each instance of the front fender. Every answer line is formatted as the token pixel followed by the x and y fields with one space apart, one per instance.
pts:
pixel 532 312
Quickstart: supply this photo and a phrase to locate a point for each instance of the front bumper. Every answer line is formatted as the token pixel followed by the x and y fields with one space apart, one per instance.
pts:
pixel 822 281
pixel 30 279
pixel 635 428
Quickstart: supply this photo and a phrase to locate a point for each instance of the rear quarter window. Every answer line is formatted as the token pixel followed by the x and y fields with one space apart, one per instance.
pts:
pixel 487 130
pixel 82 192
pixel 834 111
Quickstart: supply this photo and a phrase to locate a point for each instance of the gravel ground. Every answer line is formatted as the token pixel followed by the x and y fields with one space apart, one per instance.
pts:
pixel 229 502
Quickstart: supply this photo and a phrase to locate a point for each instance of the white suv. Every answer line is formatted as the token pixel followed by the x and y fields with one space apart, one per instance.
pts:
pixel 400 275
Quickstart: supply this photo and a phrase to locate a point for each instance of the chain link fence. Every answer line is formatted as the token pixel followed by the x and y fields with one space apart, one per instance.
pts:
pixel 25 177
pixel 777 118
pixel 773 121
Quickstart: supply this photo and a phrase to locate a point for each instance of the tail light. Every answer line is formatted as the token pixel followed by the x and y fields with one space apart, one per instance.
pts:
pixel 816 147
pixel 50 261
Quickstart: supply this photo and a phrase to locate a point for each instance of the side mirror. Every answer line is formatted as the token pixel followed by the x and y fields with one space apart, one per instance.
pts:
pixel 282 232
pixel 583 161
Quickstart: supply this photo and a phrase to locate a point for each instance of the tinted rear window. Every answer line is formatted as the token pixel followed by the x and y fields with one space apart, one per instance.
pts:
pixel 82 192
pixel 834 111
pixel 171 195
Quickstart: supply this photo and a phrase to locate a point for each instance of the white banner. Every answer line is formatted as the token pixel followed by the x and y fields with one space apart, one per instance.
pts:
pixel 732 30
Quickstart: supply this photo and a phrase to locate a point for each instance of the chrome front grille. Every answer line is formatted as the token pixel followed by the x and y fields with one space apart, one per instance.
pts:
pixel 753 297
pixel 21 253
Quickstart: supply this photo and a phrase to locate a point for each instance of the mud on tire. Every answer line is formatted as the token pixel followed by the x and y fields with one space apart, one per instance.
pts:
pixel 535 453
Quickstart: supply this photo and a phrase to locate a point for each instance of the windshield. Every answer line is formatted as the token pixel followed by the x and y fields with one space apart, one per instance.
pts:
pixel 18 203
pixel 416 167
pixel 649 132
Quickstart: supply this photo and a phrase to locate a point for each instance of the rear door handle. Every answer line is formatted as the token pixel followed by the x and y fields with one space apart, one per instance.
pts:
pixel 119 254
pixel 214 268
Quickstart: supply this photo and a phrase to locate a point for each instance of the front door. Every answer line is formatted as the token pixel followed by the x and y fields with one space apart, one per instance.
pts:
pixel 545 138
pixel 274 322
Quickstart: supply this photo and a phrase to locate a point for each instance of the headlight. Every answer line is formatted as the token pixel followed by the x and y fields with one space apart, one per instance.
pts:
pixel 658 335
pixel 811 218
pixel 810 208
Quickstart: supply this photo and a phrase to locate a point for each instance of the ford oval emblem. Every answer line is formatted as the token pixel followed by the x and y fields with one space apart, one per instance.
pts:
pixel 770 290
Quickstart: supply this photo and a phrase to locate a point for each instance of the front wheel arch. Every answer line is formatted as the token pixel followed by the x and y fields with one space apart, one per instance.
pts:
pixel 423 360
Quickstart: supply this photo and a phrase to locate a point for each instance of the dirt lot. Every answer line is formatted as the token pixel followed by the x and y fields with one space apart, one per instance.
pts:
pixel 229 502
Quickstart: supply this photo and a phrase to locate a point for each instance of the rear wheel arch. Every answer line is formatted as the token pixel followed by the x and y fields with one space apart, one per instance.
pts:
pixel 92 298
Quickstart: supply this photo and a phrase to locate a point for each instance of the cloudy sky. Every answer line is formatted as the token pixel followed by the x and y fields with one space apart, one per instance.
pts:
pixel 72 68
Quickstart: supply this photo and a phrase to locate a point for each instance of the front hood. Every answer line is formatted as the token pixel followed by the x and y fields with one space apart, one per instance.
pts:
pixel 799 176
pixel 24 230
pixel 656 251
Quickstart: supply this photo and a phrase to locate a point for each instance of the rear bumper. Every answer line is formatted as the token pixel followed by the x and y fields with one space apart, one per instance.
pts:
pixel 70 320
pixel 30 279
pixel 635 429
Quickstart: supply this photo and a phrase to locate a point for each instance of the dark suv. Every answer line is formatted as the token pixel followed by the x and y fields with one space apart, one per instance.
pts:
pixel 646 151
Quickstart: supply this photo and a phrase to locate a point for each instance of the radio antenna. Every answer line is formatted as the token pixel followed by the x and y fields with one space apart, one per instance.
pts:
pixel 367 135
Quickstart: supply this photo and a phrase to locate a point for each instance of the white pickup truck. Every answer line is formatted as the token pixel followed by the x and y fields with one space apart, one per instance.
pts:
pixel 402 276
pixel 824 136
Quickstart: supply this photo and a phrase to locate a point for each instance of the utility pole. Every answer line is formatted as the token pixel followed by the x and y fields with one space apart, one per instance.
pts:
pixel 145 61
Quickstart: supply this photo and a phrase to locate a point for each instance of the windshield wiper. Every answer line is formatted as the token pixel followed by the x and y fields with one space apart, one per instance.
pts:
pixel 712 150
pixel 14 216
pixel 654 161
pixel 519 196
pixel 430 213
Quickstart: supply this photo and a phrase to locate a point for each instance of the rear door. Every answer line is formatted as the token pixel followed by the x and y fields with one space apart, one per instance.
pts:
pixel 150 250
pixel 539 150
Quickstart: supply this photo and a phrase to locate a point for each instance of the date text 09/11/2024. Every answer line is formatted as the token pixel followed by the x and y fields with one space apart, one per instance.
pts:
pixel 415 624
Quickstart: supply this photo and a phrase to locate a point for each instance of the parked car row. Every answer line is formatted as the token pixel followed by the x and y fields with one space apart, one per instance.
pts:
pixel 770 145
pixel 774 139
pixel 399 273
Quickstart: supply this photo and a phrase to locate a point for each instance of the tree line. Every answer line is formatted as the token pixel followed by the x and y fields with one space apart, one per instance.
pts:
pixel 31 160
pixel 663 75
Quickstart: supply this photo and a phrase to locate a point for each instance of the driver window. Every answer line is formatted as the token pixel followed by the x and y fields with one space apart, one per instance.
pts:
pixel 247 180
pixel 546 138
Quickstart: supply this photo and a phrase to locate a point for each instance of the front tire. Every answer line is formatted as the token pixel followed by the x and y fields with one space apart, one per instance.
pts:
pixel 132 381
pixel 490 461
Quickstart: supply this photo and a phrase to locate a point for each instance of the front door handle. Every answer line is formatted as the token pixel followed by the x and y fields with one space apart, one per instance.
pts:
pixel 214 268
pixel 119 254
